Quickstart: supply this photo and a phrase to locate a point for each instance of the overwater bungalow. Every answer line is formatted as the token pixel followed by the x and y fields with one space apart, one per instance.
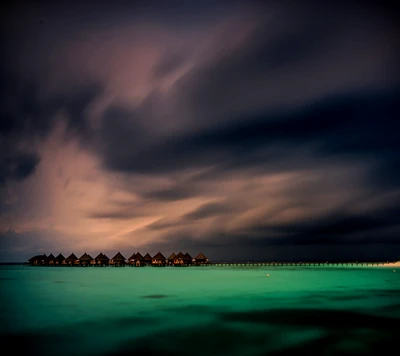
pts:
pixel 102 260
pixel 159 260
pixel 132 259
pixel 147 259
pixel 139 260
pixel 38 260
pixel 170 259
pixel 187 259
pixel 85 260
pixel 72 260
pixel 49 261
pixel 201 259
pixel 179 259
pixel 59 260
pixel 118 260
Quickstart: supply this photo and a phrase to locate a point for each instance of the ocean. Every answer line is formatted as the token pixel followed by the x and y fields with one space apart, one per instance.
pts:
pixel 199 310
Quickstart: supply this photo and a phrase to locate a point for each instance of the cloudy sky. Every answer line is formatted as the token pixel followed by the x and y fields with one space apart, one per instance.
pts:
pixel 246 130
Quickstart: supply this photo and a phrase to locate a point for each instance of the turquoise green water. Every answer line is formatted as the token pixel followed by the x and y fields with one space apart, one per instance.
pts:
pixel 200 310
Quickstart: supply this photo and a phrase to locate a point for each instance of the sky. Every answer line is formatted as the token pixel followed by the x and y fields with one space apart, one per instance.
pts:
pixel 247 130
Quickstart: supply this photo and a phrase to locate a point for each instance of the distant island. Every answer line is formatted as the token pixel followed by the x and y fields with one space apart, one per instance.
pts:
pixel 136 260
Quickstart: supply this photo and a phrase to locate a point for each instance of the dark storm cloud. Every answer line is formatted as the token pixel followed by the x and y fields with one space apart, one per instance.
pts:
pixel 26 117
pixel 293 50
pixel 126 214
pixel 176 14
pixel 297 49
pixel 16 165
pixel 269 49
pixel 177 192
pixel 358 126
pixel 169 63
pixel 121 136
pixel 337 227
pixel 25 110
pixel 209 210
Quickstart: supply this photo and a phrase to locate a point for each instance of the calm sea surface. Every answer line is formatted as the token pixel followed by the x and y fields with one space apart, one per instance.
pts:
pixel 200 310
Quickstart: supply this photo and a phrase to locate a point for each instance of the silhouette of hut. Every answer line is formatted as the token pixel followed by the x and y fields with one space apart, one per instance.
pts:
pixel 132 259
pixel 187 259
pixel 102 260
pixel 139 260
pixel 37 260
pixel 85 259
pixel 147 259
pixel 50 260
pixel 72 260
pixel 170 259
pixel 59 260
pixel 201 259
pixel 118 260
pixel 158 260
pixel 179 259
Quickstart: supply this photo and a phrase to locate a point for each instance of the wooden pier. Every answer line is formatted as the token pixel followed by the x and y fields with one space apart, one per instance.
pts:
pixel 295 264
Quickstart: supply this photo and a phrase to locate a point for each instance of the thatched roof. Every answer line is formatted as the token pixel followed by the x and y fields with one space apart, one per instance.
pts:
pixel 86 257
pixel 102 257
pixel 200 256
pixel 172 256
pixel 50 258
pixel 147 257
pixel 60 257
pixel 71 257
pixel 187 256
pixel 138 257
pixel 180 255
pixel 38 258
pixel 133 257
pixel 118 257
pixel 159 256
